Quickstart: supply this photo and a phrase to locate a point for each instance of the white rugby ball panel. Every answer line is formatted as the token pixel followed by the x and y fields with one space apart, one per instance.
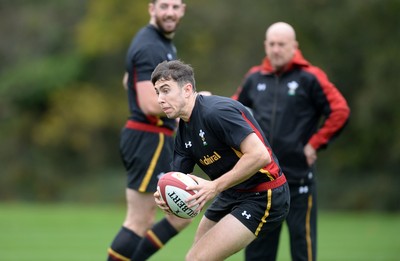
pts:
pixel 176 201
pixel 172 188
pixel 184 178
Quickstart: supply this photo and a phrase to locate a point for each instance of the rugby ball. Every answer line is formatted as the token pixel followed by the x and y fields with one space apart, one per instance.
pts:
pixel 172 188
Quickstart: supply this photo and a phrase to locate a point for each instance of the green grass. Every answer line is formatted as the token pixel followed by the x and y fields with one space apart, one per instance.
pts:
pixel 33 232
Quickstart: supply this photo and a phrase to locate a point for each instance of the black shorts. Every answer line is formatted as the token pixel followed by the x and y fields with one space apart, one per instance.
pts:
pixel 146 157
pixel 260 212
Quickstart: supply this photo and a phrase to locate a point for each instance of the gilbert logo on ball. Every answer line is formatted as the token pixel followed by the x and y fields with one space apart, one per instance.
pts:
pixel 172 188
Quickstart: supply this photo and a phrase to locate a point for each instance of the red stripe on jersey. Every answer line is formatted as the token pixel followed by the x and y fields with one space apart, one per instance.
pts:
pixel 272 168
pixel 253 127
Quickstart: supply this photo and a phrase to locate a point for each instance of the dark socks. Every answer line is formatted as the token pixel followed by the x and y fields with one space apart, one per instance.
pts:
pixel 154 239
pixel 123 246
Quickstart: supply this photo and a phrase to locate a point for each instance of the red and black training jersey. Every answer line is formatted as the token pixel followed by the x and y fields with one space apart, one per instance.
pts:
pixel 212 137
pixel 148 48
pixel 290 106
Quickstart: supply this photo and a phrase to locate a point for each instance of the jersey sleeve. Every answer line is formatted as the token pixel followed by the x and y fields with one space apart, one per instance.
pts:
pixel 147 59
pixel 182 161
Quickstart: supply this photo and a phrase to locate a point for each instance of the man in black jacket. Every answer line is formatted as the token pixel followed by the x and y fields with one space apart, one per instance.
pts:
pixel 289 97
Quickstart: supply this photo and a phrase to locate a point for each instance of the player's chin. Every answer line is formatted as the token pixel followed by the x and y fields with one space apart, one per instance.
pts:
pixel 171 115
pixel 169 28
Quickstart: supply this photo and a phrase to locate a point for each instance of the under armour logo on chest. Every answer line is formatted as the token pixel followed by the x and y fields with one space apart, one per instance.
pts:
pixel 188 145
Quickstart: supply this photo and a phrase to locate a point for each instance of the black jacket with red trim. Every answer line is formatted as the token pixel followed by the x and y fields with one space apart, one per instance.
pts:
pixel 295 107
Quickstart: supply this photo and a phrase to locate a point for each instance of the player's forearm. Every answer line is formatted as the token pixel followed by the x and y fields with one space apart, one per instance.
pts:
pixel 247 166
pixel 254 156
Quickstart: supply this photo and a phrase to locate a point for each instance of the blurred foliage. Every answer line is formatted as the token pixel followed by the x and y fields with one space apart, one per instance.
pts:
pixel 62 104
pixel 109 25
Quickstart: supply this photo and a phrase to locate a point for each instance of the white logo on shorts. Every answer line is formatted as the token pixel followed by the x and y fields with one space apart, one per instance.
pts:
pixel 246 215
pixel 303 189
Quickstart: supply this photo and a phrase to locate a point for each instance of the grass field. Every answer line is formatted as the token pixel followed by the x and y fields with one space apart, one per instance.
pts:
pixel 37 232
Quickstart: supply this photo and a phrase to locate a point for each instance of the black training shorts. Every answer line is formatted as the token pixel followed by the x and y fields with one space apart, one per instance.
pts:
pixel 146 157
pixel 260 212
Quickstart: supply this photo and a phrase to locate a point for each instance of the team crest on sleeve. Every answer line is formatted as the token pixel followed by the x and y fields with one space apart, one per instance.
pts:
pixel 201 134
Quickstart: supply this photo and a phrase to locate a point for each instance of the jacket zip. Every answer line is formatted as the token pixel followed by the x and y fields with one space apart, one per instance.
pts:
pixel 274 107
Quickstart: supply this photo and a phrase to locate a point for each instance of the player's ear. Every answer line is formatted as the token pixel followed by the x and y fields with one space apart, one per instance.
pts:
pixel 151 9
pixel 296 45
pixel 183 9
pixel 188 89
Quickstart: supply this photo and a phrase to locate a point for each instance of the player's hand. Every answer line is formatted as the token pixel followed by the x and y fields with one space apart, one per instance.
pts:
pixel 205 93
pixel 161 203
pixel 206 190
pixel 311 154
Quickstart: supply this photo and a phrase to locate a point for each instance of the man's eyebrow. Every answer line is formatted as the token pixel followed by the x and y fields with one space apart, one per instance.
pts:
pixel 163 86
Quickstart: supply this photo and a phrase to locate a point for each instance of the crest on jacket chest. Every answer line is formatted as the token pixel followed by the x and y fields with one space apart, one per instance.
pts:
pixel 293 85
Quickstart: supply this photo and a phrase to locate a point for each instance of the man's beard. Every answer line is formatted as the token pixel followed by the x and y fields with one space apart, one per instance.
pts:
pixel 160 26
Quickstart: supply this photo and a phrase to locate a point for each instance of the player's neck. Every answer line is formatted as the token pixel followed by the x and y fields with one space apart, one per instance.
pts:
pixel 189 107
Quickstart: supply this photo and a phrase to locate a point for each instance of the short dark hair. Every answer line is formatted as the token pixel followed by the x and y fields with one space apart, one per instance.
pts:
pixel 174 70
